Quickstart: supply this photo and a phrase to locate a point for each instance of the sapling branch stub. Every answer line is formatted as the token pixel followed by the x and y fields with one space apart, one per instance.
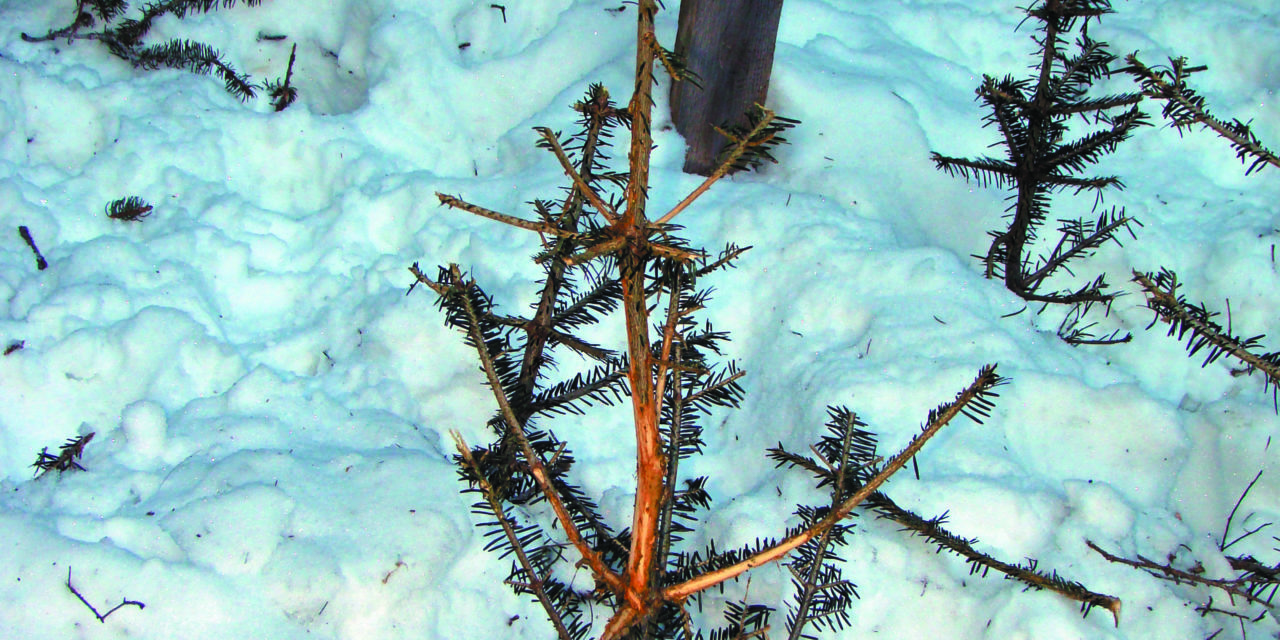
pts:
pixel 457 203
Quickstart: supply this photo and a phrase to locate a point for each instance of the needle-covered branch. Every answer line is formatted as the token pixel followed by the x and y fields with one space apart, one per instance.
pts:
pixel 1185 109
pixel 602 573
pixel 980 562
pixel 124 38
pixel 550 142
pixel 1196 326
pixel 496 510
pixel 972 401
pixel 1233 587
pixel 765 127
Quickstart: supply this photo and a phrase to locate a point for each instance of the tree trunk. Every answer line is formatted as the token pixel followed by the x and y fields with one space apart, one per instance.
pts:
pixel 729 44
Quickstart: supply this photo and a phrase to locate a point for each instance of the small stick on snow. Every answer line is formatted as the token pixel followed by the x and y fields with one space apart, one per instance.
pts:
pixel 41 263
pixel 102 617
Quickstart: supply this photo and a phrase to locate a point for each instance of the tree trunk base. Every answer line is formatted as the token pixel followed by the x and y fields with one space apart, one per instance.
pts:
pixel 729 45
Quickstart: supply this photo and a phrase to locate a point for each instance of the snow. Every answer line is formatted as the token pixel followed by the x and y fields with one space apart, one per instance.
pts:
pixel 271 410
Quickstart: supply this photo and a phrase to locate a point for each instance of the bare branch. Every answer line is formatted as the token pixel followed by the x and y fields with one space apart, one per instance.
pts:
pixel 1178 576
pixel 540 227
pixel 102 617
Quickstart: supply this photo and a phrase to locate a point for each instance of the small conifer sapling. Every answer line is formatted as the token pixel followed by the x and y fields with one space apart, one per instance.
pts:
pixel 1031 116
pixel 604 254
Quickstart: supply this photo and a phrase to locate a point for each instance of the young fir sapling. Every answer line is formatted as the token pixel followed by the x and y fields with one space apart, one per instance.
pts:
pixel 1032 116
pixel 603 252
pixel 282 91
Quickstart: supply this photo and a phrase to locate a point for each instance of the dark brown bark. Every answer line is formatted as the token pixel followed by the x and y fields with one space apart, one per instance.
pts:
pixel 729 45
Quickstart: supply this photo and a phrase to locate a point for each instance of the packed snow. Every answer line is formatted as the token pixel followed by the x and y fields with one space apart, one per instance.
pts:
pixel 271 410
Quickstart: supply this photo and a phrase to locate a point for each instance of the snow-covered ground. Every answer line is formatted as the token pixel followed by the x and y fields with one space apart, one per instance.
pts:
pixel 271 410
